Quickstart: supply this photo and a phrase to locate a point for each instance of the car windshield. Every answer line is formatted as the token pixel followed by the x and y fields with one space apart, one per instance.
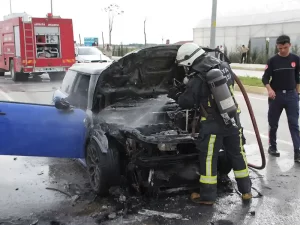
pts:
pixel 89 51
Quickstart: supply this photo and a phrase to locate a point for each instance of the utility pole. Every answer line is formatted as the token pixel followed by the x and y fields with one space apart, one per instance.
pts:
pixel 51 7
pixel 10 6
pixel 213 24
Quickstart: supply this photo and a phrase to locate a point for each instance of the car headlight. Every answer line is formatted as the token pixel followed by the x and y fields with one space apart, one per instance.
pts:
pixel 167 147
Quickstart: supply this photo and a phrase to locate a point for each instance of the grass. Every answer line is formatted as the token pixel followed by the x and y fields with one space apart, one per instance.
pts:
pixel 251 81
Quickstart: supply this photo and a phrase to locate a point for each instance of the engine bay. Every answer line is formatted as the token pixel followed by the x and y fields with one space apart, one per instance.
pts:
pixel 156 135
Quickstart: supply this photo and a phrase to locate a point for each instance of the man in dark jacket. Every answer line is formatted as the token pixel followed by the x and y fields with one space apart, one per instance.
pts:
pixel 283 90
pixel 217 130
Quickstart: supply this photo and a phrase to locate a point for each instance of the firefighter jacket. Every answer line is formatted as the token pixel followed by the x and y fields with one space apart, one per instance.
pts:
pixel 197 93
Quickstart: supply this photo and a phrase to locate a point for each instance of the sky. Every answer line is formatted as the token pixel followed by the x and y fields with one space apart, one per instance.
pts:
pixel 165 19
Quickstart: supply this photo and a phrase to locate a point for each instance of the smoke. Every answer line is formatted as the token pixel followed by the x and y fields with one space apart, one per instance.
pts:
pixel 137 114
pixel 148 116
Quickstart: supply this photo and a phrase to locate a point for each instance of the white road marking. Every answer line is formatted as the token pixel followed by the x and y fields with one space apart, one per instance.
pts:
pixel 261 135
pixel 266 137
pixel 6 96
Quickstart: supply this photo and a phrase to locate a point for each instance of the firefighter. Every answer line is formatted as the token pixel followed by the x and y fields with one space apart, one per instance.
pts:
pixel 210 88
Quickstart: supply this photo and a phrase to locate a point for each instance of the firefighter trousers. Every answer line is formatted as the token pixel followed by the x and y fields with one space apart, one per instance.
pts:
pixel 209 146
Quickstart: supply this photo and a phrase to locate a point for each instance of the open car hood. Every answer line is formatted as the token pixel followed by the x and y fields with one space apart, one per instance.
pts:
pixel 149 71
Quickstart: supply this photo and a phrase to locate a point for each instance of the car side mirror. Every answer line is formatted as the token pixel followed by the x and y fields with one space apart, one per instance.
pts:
pixel 62 104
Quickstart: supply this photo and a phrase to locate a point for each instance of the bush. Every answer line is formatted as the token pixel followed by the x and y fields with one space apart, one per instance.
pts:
pixel 235 57
pixel 258 56
pixel 251 81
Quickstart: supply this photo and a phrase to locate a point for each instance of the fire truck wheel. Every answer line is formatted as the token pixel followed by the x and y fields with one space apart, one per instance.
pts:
pixel 2 74
pixel 57 76
pixel 17 76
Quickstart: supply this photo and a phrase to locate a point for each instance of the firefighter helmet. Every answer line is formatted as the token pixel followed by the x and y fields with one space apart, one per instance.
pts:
pixel 187 53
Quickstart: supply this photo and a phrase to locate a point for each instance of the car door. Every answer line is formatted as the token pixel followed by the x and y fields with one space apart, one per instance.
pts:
pixel 41 130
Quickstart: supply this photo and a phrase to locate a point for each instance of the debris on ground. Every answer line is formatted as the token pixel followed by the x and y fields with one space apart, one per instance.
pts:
pixel 259 194
pixel 252 213
pixel 75 198
pixel 147 212
pixel 54 222
pixel 112 216
pixel 122 198
pixel 55 189
pixel 35 222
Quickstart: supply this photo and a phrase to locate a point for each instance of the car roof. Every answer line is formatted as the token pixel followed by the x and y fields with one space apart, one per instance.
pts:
pixel 89 68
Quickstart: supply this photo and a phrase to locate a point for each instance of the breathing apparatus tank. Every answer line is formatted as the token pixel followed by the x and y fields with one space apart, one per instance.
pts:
pixel 222 96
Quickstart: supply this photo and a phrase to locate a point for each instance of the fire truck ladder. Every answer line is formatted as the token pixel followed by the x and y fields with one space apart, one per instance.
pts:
pixel 29 43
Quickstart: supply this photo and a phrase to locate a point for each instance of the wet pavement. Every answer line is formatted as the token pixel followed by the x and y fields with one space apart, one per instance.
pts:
pixel 57 191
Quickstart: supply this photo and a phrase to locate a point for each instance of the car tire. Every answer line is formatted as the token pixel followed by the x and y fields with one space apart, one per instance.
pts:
pixel 103 168
pixel 2 74
pixel 57 76
pixel 17 76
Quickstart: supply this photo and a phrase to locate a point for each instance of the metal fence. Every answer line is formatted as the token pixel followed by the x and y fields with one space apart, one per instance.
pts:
pixel 233 37
pixel 261 39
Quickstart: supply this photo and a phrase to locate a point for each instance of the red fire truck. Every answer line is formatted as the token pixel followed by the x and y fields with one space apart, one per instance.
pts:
pixel 36 46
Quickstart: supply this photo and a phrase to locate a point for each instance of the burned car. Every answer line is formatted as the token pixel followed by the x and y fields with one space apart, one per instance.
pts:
pixel 117 120
pixel 138 133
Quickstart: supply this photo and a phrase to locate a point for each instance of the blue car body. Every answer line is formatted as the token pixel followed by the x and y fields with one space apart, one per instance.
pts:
pixel 42 130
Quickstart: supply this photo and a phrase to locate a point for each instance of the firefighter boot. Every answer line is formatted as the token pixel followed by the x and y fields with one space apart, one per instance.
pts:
pixel 195 197
pixel 273 151
pixel 246 197
pixel 297 156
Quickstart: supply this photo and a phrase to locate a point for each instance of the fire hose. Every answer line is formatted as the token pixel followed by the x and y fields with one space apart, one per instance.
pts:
pixel 258 138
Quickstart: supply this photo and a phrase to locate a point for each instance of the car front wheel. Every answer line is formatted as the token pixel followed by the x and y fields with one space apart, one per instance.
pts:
pixel 103 168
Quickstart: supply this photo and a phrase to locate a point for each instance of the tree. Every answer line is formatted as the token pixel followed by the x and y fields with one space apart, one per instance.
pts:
pixel 112 10
pixel 145 35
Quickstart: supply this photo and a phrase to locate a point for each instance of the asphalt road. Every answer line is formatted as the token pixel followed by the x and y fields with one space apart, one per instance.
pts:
pixel 25 199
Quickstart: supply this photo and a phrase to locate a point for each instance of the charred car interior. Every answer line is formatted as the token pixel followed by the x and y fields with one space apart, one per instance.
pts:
pixel 143 139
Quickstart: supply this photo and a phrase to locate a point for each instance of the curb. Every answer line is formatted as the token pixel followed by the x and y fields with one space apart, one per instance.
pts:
pixel 252 89
pixel 115 57
pixel 247 68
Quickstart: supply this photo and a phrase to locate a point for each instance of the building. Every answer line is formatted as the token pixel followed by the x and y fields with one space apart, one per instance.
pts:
pixel 259 31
